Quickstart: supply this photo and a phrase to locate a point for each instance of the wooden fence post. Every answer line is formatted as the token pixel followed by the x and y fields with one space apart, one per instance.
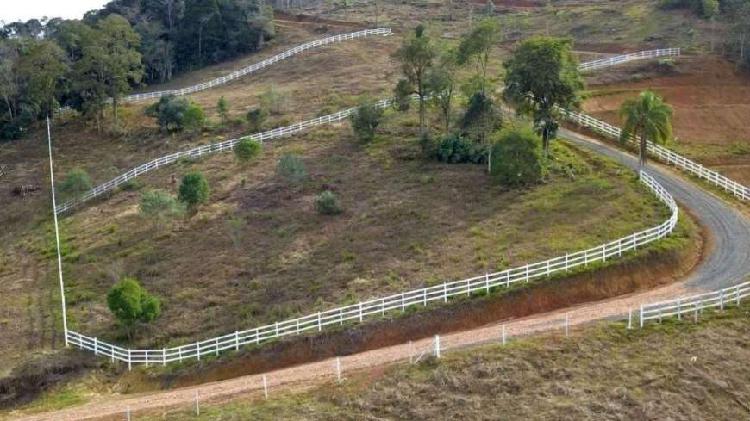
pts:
pixel 265 387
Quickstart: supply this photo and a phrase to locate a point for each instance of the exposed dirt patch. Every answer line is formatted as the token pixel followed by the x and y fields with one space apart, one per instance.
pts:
pixel 711 101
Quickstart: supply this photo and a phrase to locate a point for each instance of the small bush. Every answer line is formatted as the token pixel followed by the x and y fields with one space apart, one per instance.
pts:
pixel 158 206
pixel 256 118
pixel 131 304
pixel 274 100
pixel 247 149
pixel 291 168
pixel 517 157
pixel 175 114
pixel 365 120
pixel 222 107
pixel 194 189
pixel 327 203
pixel 455 149
pixel 76 183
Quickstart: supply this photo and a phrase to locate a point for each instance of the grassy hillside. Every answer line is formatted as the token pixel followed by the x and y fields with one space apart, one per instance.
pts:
pixel 676 370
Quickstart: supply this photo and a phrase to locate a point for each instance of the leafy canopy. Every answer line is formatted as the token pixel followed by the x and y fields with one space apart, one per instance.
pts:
pixel 647 117
pixel 130 303
pixel 194 189
pixel 517 157
pixel 247 149
pixel 366 120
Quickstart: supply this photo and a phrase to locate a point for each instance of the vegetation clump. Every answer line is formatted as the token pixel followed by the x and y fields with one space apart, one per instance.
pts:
pixel 131 304
pixel 256 118
pixel 194 190
pixel 326 203
pixel 291 168
pixel 176 114
pixel 159 206
pixel 516 158
pixel 76 183
pixel 455 149
pixel 366 120
pixel 247 149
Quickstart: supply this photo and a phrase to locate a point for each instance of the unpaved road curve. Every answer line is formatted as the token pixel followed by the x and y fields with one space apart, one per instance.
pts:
pixel 724 264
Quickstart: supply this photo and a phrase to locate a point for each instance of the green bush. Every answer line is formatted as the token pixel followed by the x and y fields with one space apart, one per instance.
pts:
pixel 76 183
pixel 291 168
pixel 365 120
pixel 247 149
pixel 222 107
pixel 326 203
pixel 131 304
pixel 194 189
pixel 175 114
pixel 517 157
pixel 455 149
pixel 158 206
pixel 256 118
pixel 481 117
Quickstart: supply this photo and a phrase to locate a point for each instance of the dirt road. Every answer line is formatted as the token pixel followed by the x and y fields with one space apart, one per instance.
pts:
pixel 724 264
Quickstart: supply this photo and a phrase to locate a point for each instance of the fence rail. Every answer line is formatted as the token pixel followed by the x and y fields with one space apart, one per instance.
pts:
pixel 663 154
pixel 378 307
pixel 641 55
pixel 694 304
pixel 258 66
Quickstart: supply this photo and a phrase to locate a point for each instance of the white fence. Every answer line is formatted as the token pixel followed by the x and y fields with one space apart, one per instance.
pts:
pixel 692 305
pixel 379 307
pixel 641 55
pixel 665 155
pixel 258 66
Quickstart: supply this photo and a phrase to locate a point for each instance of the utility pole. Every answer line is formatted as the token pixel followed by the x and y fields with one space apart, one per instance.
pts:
pixel 57 235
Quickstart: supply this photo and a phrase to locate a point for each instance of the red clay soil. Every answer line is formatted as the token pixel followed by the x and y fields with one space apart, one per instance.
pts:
pixel 640 274
pixel 711 100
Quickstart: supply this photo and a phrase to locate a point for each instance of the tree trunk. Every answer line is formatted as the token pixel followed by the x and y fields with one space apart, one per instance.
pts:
pixel 642 154
pixel 114 109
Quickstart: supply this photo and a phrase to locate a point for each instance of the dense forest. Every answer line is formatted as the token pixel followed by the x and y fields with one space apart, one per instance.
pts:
pixel 86 64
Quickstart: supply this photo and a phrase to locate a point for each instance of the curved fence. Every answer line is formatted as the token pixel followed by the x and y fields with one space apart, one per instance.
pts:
pixel 379 307
pixel 694 304
pixel 258 66
pixel 663 154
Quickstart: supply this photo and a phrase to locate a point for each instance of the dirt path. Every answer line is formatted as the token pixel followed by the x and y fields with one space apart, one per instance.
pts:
pixel 726 263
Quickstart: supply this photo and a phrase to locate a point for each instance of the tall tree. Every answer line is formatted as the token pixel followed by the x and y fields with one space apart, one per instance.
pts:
pixel 416 55
pixel 542 74
pixel 476 46
pixel 42 67
pixel 441 81
pixel 647 117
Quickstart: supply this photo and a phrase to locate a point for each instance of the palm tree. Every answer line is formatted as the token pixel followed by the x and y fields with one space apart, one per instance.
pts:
pixel 647 117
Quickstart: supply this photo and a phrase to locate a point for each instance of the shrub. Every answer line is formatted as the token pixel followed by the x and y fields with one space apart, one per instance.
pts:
pixel 256 118
pixel 158 206
pixel 365 120
pixel 222 107
pixel 174 114
pixel 193 189
pixel 76 183
pixel 130 303
pixel 481 117
pixel 291 168
pixel 455 149
pixel 326 203
pixel 274 100
pixel 517 157
pixel 247 149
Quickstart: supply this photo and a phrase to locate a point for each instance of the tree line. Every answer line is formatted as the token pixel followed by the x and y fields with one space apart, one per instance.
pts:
pixel 87 64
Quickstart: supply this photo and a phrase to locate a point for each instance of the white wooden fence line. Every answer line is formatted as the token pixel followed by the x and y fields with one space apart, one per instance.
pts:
pixel 641 55
pixel 663 154
pixel 258 66
pixel 694 304
pixel 396 303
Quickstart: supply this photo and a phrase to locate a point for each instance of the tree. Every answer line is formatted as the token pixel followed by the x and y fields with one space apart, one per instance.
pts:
pixel 42 67
pixel 476 46
pixel 647 117
pixel 739 33
pixel 131 304
pixel 256 118
pixel 159 206
pixel 517 157
pixel 247 149
pixel 222 106
pixel 193 190
pixel 365 120
pixel 416 55
pixel 481 117
pixel 441 81
pixel 76 183
pixel 541 75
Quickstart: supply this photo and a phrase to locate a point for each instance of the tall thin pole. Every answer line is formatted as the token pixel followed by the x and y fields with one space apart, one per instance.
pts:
pixel 57 236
